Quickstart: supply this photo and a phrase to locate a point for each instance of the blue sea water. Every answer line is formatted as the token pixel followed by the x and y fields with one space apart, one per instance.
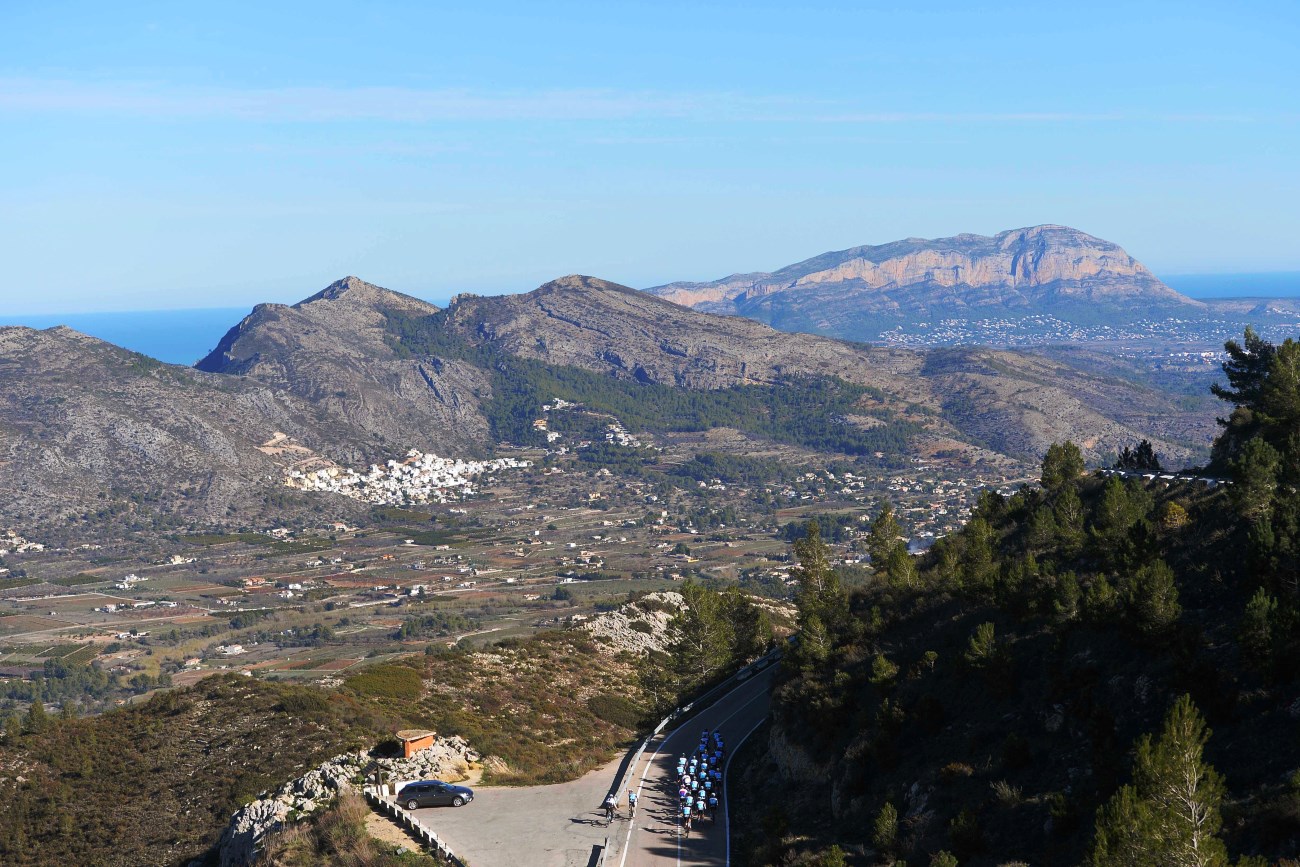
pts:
pixel 1277 284
pixel 174 336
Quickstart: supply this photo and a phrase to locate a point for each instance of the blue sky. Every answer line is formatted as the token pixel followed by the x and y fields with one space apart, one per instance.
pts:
pixel 159 155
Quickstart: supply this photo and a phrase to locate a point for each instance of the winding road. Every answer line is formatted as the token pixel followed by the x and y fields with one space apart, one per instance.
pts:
pixel 562 825
pixel 654 837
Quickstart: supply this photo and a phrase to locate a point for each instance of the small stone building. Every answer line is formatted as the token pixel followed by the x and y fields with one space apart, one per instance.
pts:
pixel 414 740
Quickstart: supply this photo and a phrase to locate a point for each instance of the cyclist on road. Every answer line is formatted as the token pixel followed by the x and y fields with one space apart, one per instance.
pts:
pixel 713 807
pixel 611 807
pixel 631 803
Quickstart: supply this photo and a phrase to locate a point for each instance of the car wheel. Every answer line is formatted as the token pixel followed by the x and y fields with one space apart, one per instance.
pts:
pixel 412 804
pixel 458 801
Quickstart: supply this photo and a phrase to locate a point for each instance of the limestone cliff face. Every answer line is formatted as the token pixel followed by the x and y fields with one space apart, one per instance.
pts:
pixel 1028 268
pixel 333 349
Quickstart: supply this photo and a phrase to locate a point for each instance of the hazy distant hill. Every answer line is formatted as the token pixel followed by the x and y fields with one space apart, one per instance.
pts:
pixel 858 292
pixel 357 373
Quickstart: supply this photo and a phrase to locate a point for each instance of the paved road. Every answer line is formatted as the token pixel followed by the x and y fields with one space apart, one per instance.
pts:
pixel 562 825
pixel 541 826
pixel 654 838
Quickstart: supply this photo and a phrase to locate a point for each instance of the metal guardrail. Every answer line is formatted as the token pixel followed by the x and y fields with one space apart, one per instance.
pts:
pixel 376 797
pixel 700 701
pixel 1208 481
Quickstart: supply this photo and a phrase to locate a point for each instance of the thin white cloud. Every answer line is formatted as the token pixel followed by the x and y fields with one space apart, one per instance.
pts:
pixel 331 104
pixel 35 96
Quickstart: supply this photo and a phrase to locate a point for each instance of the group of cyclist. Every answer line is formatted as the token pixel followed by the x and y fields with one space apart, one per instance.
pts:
pixel 699 784
pixel 699 780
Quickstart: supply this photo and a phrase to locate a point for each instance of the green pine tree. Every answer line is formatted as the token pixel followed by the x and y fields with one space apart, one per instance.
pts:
pixel 1151 596
pixel 1256 633
pixel 1062 464
pixel 820 590
pixel 702 636
pixel 884 830
pixel 1170 815
pixel 883 536
pixel 37 720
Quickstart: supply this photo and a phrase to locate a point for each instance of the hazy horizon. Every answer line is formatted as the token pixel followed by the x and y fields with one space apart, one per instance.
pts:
pixel 184 335
pixel 1261 284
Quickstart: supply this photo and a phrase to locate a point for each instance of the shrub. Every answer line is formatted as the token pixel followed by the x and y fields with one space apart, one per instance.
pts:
pixel 387 681
pixel 982 647
pixel 955 771
pixel 883 671
pixel 967 835
pixel 304 703
pixel 885 830
pixel 615 709
pixel 1007 794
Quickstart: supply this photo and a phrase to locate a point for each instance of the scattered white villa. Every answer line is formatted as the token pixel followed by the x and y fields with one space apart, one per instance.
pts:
pixel 12 542
pixel 420 478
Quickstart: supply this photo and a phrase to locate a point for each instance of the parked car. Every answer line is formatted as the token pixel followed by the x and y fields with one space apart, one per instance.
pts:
pixel 433 793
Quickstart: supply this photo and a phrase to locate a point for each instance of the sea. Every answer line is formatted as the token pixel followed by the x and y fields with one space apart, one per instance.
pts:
pixel 1276 284
pixel 185 336
pixel 173 336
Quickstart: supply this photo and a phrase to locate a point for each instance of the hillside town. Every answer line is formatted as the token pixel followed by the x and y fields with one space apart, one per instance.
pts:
pixel 420 478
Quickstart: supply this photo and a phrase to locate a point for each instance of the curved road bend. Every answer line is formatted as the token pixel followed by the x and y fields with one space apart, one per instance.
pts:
pixel 560 825
pixel 654 838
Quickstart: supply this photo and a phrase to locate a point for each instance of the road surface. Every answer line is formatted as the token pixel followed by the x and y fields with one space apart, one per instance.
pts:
pixel 654 838
pixel 540 826
pixel 563 826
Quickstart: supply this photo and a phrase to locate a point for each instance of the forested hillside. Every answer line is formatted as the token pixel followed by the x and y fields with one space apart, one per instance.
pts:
pixel 1098 671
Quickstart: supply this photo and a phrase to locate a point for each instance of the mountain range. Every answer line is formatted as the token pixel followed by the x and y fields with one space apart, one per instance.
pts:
pixel 860 292
pixel 357 373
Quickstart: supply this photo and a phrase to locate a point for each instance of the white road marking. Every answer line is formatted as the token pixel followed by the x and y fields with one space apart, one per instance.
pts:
pixel 726 807
pixel 650 763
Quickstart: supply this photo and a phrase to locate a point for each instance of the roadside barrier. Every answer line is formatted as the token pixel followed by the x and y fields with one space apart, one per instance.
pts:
pixel 378 798
pixel 1208 481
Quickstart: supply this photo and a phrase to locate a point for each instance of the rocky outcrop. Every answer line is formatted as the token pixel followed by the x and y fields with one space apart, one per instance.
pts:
pixel 448 759
pixel 1038 268
pixel 639 627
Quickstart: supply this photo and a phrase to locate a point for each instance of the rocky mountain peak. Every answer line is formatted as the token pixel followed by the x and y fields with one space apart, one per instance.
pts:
pixel 355 292
pixel 581 284
pixel 1047 268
